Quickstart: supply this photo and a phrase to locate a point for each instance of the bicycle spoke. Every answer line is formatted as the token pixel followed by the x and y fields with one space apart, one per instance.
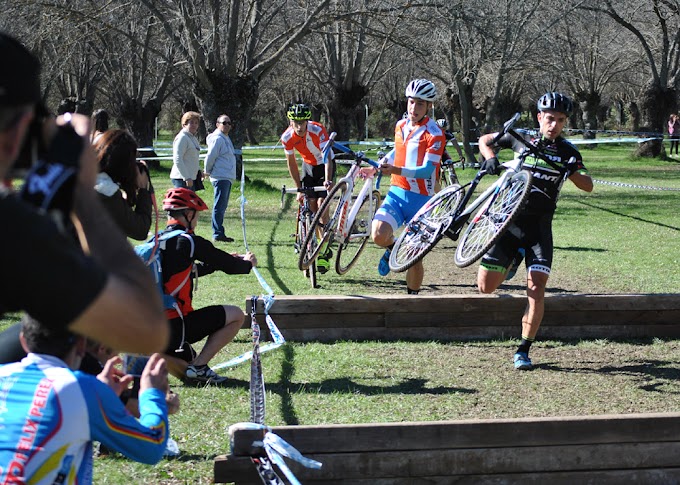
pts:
pixel 360 231
pixel 493 219
pixel 426 228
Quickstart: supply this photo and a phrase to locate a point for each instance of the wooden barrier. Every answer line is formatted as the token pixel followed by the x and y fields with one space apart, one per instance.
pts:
pixel 612 449
pixel 468 317
pixel 637 448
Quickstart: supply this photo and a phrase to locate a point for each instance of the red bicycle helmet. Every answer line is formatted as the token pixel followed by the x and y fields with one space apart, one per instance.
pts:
pixel 182 198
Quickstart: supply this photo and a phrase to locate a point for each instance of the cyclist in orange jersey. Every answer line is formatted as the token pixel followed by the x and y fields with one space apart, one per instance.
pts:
pixel 308 138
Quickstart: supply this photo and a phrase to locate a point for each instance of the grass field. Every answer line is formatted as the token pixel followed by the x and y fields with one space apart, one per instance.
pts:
pixel 619 239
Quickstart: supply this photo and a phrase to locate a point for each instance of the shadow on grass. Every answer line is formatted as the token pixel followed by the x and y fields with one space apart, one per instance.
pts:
pixel 652 374
pixel 581 249
pixel 604 209
pixel 345 385
pixel 270 245
pixel 286 388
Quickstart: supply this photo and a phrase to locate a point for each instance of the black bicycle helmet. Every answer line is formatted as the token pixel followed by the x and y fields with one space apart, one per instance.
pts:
pixel 555 101
pixel 299 112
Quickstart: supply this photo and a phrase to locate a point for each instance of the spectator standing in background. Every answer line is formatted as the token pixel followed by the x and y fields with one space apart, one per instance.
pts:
pixel 220 165
pixel 185 152
pixel 674 132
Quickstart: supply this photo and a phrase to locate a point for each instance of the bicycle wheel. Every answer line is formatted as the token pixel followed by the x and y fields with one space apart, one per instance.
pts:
pixel 335 209
pixel 449 176
pixel 303 228
pixel 360 231
pixel 425 229
pixel 493 219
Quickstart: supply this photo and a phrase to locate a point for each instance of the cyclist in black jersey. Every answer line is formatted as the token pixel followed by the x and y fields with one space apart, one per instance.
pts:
pixel 530 236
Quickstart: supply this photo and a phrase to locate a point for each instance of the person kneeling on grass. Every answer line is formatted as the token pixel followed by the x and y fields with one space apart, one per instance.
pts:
pixel 183 256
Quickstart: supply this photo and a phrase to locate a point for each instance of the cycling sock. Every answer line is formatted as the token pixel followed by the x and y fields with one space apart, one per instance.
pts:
pixel 412 292
pixel 525 344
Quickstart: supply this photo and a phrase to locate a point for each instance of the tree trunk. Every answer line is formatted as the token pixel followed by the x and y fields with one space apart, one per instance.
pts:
pixel 470 134
pixel 589 104
pixel 343 112
pixel 140 120
pixel 634 116
pixel 620 113
pixel 657 103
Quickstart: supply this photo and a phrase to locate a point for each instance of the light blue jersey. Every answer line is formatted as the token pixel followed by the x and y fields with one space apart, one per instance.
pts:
pixel 49 416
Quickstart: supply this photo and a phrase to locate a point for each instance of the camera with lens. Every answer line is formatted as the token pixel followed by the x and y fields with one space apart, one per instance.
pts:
pixel 50 169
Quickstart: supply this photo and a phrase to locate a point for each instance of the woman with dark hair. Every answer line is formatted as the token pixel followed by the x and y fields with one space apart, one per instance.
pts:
pixel 123 183
pixel 100 124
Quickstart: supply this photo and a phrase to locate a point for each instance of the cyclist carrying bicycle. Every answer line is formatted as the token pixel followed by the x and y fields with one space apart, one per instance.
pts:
pixel 308 138
pixel 413 164
pixel 530 236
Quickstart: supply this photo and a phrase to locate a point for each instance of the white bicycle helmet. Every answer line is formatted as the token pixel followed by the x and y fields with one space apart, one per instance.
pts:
pixel 421 89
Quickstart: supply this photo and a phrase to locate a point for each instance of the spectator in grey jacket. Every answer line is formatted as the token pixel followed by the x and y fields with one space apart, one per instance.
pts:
pixel 220 165
pixel 185 152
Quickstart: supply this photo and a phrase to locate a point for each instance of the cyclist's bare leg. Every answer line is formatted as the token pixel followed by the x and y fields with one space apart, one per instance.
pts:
pixel 533 314
pixel 382 233
pixel 318 202
pixel 216 341
pixel 414 276
pixel 489 281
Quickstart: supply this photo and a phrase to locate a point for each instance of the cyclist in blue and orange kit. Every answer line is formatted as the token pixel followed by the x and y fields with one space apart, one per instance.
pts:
pixel 50 414
pixel 529 237
pixel 413 164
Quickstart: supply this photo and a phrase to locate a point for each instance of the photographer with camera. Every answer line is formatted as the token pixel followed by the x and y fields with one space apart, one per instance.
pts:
pixel 123 184
pixel 66 263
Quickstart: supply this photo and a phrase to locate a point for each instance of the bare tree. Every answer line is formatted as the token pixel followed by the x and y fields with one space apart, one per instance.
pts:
pixel 513 38
pixel 594 52
pixel 230 45
pixel 349 56
pixel 654 25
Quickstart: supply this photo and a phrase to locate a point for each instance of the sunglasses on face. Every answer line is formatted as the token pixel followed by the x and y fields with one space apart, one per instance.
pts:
pixel 224 122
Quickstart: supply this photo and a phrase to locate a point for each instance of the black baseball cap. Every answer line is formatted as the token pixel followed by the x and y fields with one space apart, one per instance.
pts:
pixel 20 75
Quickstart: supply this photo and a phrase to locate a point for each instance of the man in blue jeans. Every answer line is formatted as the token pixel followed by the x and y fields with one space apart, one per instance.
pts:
pixel 220 165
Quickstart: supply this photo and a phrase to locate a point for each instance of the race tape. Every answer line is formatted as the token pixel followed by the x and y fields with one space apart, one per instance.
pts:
pixel 634 186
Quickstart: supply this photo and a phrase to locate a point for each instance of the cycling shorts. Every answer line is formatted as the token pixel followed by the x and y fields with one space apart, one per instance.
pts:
pixel 531 232
pixel 315 176
pixel 400 206
pixel 197 325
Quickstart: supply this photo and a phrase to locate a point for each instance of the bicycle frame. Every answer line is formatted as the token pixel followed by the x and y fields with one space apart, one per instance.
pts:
pixel 463 211
pixel 346 219
pixel 341 231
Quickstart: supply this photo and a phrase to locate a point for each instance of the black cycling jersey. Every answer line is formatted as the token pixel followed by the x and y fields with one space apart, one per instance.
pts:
pixel 45 273
pixel 547 181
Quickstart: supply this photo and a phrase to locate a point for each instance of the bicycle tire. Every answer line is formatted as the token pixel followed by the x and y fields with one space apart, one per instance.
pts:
pixel 425 229
pixel 304 246
pixel 303 229
pixel 332 204
pixel 350 250
pixel 491 221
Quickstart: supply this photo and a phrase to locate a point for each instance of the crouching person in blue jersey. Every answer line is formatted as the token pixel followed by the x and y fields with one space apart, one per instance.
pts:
pixel 50 414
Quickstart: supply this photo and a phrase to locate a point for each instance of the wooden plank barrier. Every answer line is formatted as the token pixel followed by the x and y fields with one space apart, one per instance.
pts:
pixel 469 317
pixel 635 448
pixel 610 449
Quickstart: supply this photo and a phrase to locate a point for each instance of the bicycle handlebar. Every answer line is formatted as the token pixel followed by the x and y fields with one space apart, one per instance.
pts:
pixel 304 190
pixel 358 158
pixel 506 128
